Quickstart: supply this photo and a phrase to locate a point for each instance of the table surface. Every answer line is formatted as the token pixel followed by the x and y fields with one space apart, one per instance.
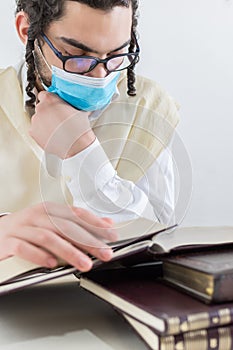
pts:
pixel 57 315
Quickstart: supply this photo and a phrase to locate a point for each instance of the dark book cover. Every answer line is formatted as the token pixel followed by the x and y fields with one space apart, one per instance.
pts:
pixel 217 338
pixel 207 275
pixel 144 297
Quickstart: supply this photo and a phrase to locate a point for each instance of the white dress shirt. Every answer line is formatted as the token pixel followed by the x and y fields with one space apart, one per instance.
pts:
pixel 95 185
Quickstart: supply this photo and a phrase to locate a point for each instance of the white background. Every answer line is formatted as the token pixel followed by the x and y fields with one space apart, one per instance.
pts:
pixel 187 47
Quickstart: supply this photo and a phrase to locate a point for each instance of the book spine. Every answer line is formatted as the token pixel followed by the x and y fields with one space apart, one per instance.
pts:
pixel 203 320
pixel 211 339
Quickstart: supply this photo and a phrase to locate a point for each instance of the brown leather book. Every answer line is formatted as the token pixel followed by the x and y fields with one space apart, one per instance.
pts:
pixel 216 338
pixel 207 275
pixel 143 296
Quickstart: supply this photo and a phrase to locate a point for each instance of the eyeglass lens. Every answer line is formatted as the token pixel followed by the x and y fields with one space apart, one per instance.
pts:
pixel 82 65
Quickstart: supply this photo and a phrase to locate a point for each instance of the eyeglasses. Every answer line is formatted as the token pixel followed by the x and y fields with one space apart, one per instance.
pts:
pixel 85 64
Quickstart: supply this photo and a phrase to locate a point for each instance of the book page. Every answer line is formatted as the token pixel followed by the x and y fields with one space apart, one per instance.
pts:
pixel 14 266
pixel 188 236
pixel 34 279
pixel 136 228
pixel 15 269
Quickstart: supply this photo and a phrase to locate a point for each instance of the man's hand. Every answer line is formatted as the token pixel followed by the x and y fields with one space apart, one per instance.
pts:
pixel 47 231
pixel 59 128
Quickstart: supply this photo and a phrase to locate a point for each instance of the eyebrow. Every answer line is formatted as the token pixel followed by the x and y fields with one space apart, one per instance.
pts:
pixel 83 47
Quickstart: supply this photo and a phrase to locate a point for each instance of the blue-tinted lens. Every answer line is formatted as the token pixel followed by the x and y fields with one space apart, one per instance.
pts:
pixel 79 64
pixel 120 62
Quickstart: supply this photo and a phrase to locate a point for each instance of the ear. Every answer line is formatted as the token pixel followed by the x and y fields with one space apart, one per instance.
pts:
pixel 22 25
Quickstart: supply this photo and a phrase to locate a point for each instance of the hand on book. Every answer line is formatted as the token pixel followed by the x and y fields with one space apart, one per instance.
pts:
pixel 48 231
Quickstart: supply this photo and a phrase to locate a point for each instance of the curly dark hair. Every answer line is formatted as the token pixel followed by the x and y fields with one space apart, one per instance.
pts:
pixel 42 12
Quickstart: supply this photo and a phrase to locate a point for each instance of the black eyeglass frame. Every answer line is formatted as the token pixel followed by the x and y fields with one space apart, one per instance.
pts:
pixel 98 60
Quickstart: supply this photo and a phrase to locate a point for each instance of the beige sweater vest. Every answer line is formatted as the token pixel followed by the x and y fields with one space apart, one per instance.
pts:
pixel 132 130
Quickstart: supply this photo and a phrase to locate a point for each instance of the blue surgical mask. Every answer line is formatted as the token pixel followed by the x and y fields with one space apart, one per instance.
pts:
pixel 83 92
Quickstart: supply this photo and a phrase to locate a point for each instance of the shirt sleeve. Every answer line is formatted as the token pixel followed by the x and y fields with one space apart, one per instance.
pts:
pixel 95 185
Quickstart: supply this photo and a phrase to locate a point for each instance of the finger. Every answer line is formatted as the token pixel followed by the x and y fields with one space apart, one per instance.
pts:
pixel 91 218
pixel 103 253
pixel 30 252
pixel 70 212
pixel 44 95
pixel 81 238
pixel 49 243
pixel 109 220
pixel 99 226
pixel 82 217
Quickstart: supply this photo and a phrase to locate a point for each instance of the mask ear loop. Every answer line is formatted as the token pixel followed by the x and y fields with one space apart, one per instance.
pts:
pixel 35 52
pixel 41 54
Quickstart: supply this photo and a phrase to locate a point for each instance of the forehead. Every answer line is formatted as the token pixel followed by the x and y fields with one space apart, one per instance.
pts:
pixel 102 30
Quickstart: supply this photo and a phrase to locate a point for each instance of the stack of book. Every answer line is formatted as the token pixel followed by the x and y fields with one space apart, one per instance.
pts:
pixel 165 318
pixel 173 286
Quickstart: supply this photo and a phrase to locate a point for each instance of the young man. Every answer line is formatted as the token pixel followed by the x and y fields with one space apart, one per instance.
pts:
pixel 76 129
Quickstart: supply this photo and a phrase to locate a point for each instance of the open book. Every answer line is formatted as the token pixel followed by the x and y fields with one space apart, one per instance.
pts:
pixel 138 238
